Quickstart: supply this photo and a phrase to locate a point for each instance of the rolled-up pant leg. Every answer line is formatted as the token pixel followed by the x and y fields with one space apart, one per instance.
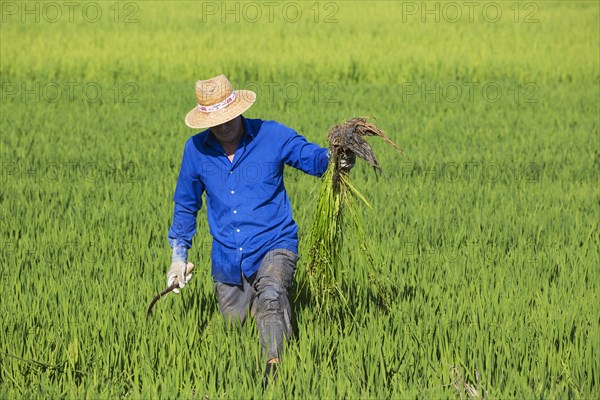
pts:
pixel 272 283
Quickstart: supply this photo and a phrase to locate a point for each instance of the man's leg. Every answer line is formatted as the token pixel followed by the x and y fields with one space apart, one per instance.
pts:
pixel 234 301
pixel 273 311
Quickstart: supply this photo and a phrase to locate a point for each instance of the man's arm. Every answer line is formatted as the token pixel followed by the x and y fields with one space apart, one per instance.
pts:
pixel 188 201
pixel 302 154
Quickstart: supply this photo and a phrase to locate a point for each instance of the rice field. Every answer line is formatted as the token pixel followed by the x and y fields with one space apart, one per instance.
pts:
pixel 484 240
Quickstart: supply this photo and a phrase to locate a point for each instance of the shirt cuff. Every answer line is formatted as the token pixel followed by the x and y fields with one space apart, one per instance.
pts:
pixel 180 252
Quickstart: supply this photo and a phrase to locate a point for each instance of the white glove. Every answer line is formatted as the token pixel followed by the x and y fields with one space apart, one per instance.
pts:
pixel 179 273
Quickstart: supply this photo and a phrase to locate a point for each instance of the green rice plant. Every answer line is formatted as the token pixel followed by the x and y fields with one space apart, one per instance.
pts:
pixel 339 198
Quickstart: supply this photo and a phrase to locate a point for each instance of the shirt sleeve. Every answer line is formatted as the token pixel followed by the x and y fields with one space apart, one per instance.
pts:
pixel 303 155
pixel 188 201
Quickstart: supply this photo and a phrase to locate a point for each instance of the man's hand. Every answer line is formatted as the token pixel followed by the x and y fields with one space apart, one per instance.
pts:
pixel 179 273
pixel 347 160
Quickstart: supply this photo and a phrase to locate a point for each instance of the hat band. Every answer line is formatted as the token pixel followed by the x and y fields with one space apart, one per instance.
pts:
pixel 220 105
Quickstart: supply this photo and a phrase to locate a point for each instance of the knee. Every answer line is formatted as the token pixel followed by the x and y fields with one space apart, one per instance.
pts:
pixel 272 299
pixel 273 310
pixel 269 296
pixel 232 317
pixel 270 286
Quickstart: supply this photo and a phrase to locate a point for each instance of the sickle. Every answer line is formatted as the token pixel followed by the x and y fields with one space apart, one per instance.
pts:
pixel 189 268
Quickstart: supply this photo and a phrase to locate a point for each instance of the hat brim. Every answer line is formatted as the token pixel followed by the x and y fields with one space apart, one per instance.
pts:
pixel 200 119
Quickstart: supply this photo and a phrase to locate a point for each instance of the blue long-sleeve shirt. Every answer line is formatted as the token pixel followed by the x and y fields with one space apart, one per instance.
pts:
pixel 249 212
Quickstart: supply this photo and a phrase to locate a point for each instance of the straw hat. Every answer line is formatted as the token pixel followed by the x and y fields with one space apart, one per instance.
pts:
pixel 218 102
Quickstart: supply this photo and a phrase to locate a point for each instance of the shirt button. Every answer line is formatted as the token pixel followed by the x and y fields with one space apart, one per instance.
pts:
pixel 230 172
pixel 241 249
pixel 233 192
pixel 237 230
pixel 235 211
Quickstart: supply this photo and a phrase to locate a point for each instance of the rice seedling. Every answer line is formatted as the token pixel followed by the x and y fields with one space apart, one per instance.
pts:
pixel 338 199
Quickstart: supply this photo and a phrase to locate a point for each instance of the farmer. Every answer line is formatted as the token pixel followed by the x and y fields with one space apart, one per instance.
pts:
pixel 239 163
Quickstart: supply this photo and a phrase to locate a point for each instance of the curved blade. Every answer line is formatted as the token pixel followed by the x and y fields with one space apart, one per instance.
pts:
pixel 158 296
pixel 189 268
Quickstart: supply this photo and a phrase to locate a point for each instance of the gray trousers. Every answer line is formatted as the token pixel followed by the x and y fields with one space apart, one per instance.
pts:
pixel 265 296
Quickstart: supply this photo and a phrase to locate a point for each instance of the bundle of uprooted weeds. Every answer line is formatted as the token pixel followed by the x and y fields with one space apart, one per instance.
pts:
pixel 338 199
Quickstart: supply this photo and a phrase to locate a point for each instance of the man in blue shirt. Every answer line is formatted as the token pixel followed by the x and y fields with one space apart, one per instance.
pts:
pixel 239 164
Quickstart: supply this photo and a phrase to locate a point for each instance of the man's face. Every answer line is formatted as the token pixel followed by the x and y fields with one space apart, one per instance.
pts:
pixel 228 131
